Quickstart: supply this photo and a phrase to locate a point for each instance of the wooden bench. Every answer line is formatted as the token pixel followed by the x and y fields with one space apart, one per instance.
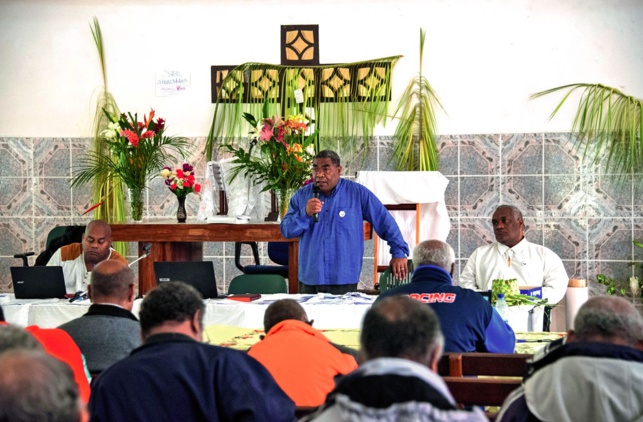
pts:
pixel 483 364
pixel 481 391
pixel 501 374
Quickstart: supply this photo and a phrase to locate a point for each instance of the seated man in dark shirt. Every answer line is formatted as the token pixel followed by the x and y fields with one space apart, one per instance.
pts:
pixel 469 322
pixel 174 376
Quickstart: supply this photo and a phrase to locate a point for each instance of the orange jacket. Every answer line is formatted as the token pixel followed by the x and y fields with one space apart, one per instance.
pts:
pixel 60 345
pixel 302 361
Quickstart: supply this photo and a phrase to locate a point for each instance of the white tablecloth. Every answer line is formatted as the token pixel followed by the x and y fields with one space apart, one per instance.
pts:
pixel 426 188
pixel 327 311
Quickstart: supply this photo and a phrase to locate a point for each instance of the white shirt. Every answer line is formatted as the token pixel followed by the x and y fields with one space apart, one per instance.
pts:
pixel 75 272
pixel 530 264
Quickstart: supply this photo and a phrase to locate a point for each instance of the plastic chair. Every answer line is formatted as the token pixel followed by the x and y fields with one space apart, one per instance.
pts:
pixel 277 252
pixel 258 283
pixel 388 281
pixel 57 237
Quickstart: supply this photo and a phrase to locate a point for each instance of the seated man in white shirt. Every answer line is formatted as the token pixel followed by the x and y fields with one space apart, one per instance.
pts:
pixel 512 256
pixel 79 259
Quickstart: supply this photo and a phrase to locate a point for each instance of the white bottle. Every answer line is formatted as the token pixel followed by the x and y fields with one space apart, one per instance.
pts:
pixel 502 308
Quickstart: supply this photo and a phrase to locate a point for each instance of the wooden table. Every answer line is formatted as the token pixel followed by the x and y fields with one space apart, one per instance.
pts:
pixel 172 241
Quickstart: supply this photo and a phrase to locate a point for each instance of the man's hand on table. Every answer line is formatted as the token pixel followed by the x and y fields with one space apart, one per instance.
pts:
pixel 399 267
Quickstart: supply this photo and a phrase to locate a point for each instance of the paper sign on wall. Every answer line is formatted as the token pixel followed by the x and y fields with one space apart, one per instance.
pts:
pixel 172 82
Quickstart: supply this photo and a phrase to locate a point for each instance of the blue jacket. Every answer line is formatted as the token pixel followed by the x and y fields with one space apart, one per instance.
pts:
pixel 174 378
pixel 331 250
pixel 469 323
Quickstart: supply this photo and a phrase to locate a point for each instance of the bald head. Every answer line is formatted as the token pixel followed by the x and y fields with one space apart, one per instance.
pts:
pixel 282 310
pixel 401 327
pixel 99 225
pixel 112 282
pixel 608 319
pixel 434 252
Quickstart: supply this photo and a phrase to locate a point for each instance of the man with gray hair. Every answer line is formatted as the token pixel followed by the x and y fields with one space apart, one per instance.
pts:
pixel 401 345
pixel 597 375
pixel 109 331
pixel 469 321
pixel 38 387
pixel 512 256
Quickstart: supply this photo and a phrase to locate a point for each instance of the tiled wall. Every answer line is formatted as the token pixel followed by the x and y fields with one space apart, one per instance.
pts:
pixel 569 205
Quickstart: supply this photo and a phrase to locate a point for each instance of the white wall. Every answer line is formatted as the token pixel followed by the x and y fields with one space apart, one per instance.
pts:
pixel 484 58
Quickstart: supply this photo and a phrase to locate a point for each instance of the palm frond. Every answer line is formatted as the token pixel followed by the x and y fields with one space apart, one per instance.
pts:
pixel 106 188
pixel 608 124
pixel 416 131
pixel 347 100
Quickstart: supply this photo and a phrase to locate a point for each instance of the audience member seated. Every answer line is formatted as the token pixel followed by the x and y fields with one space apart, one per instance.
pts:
pixel 401 344
pixel 37 387
pixel 597 375
pixel 12 337
pixel 512 256
pixel 469 322
pixel 109 331
pixel 173 376
pixel 59 344
pixel 55 342
pixel 300 358
pixel 79 259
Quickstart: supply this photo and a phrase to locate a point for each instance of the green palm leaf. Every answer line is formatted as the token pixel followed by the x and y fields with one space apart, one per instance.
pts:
pixel 348 113
pixel 416 131
pixel 608 122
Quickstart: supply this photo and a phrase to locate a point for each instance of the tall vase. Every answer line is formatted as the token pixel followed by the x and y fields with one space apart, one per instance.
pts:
pixel 284 196
pixel 136 200
pixel 181 213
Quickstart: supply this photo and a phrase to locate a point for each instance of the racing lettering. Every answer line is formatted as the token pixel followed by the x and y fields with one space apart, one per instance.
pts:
pixel 434 297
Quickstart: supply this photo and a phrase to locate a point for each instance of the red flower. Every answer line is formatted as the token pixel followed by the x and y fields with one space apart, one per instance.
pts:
pixel 173 186
pixel 197 188
pixel 131 136
pixel 148 134
pixel 179 173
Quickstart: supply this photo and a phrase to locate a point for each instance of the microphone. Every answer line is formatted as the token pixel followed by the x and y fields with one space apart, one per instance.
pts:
pixel 146 252
pixel 316 191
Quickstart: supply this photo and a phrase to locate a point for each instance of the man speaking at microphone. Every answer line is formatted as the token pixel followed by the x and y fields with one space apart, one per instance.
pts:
pixel 330 227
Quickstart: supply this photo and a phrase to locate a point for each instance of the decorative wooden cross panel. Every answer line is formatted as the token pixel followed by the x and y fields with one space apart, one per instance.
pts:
pixel 299 50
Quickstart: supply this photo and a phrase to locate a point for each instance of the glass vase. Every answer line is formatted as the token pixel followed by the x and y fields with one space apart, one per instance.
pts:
pixel 284 196
pixel 136 200
pixel 181 213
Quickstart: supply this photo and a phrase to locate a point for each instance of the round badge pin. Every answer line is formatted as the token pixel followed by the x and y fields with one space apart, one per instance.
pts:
pixel 342 213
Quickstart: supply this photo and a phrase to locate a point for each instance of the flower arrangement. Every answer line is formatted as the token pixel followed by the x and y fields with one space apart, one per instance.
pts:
pixel 285 154
pixel 136 152
pixel 181 181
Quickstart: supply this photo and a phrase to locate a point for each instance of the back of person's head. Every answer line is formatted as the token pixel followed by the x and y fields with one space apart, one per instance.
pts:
pixel 37 387
pixel 334 158
pixel 434 252
pixel 608 319
pixel 12 337
pixel 174 302
pixel 282 310
pixel 111 280
pixel 401 327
